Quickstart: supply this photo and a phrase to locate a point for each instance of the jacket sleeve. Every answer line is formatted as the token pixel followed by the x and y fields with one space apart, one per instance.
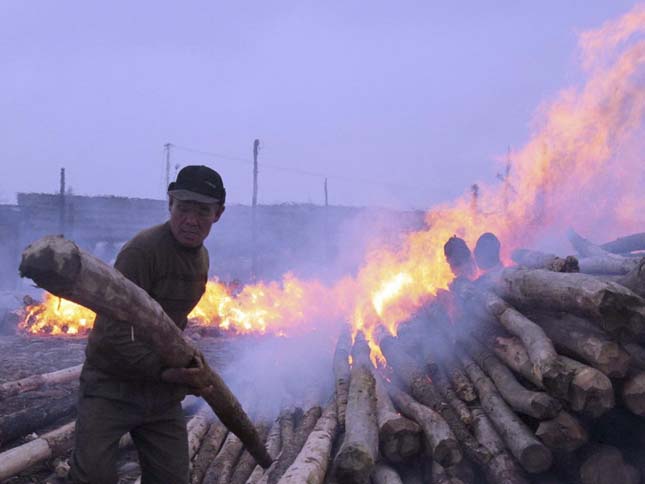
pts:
pixel 130 356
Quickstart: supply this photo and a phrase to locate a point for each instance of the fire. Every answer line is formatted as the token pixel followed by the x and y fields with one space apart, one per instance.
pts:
pixel 57 316
pixel 582 166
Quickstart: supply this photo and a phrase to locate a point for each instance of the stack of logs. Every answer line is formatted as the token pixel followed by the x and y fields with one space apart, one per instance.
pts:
pixel 533 373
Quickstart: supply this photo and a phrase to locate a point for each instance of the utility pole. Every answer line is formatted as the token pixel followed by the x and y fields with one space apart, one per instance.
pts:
pixel 167 148
pixel 61 211
pixel 254 203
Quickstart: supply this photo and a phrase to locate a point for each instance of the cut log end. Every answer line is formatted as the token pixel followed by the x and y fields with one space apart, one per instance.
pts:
pixel 354 465
pixel 536 458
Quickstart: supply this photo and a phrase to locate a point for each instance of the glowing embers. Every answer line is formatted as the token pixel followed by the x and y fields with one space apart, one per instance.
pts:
pixel 57 317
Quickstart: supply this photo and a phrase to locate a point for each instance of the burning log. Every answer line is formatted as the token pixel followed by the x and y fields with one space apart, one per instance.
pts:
pixel 535 404
pixel 486 251
pixel 292 447
pixel 246 464
pixel 273 448
pixel 423 390
pixel 629 243
pixel 210 447
pixel 342 373
pixel 532 455
pixel 384 474
pixel 635 279
pixel 590 391
pixel 359 451
pixel 440 440
pixel 33 382
pixel 221 468
pixel 398 436
pixel 612 305
pixel 36 417
pixel 51 444
pixel 502 468
pixel 562 433
pixel 63 269
pixel 633 393
pixel 310 465
pixel 539 347
pixel 533 259
pixel 574 335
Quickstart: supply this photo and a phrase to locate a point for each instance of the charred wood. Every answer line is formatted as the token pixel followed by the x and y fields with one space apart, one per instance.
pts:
pixel 532 455
pixel 63 269
pixel 439 438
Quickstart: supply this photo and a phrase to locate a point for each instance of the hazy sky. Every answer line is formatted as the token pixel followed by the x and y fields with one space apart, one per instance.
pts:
pixel 400 103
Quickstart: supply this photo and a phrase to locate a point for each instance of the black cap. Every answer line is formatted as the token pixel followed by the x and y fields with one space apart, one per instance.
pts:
pixel 198 183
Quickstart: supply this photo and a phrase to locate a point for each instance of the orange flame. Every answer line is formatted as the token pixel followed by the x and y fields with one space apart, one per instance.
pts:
pixel 57 317
pixel 582 165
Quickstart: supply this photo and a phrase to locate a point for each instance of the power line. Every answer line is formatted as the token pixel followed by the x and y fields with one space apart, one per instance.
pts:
pixel 299 170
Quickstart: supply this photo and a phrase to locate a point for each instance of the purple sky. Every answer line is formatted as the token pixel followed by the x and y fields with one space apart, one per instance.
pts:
pixel 407 102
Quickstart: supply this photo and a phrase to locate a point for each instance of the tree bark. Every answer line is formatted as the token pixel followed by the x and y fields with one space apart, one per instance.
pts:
pixel 359 451
pixel 311 464
pixel 35 417
pixel 59 266
pixel 576 336
pixel 33 382
pixel 563 433
pixel 512 352
pixel 614 307
pixel 399 437
pixel 341 373
pixel 439 438
pixel 51 444
pixel 422 389
pixel 538 405
pixel 532 455
pixel 208 451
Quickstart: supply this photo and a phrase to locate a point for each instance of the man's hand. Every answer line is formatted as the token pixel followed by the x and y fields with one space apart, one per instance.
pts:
pixel 195 377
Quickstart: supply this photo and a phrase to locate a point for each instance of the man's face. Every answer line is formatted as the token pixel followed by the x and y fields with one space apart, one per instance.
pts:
pixel 190 222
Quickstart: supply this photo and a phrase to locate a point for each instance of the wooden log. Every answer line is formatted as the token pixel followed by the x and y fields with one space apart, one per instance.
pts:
pixel 445 389
pixel 59 266
pixel 221 468
pixel 533 259
pixel 439 438
pixel 422 389
pixel 629 243
pixel 633 393
pixel 513 353
pixel 502 467
pixel 51 444
pixel 196 429
pixel 246 464
pixel 35 417
pixel 539 347
pixel 310 465
pixel 585 341
pixel 341 374
pixel 604 464
pixel 590 392
pixel 359 450
pixel 635 279
pixel 292 447
pixel 611 264
pixel 208 451
pixel 636 354
pixel 613 306
pixel 384 474
pixel 399 437
pixel 583 246
pixel 273 448
pixel 538 405
pixel 564 433
pixel 34 382
pixel 532 455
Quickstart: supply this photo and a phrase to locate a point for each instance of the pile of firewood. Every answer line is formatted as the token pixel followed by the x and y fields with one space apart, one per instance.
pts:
pixel 532 373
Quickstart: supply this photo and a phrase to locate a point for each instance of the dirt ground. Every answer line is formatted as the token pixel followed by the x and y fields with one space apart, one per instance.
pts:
pixel 22 356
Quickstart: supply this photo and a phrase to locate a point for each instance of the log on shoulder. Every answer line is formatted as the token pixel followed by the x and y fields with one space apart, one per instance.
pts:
pixel 60 267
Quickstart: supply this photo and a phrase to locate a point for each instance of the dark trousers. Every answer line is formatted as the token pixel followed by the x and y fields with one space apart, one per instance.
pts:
pixel 159 435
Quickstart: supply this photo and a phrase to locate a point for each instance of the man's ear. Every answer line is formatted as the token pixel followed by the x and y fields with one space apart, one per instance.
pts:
pixel 219 212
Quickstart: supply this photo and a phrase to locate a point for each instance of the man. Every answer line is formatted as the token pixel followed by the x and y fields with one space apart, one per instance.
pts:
pixel 124 386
